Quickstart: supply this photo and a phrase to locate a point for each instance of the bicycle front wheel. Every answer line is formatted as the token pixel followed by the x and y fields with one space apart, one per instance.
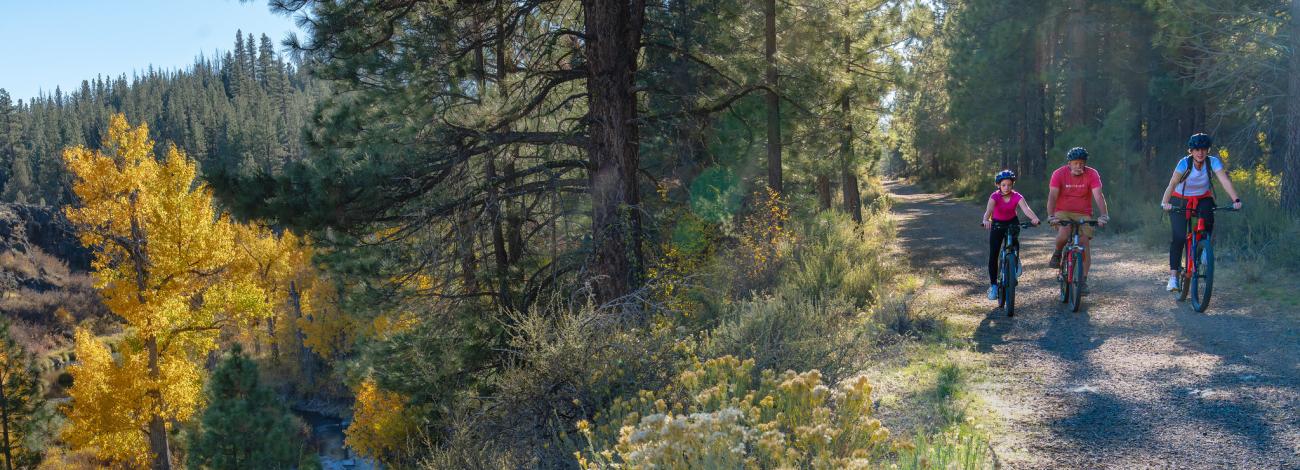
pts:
pixel 1203 281
pixel 1063 281
pixel 1009 285
pixel 1002 280
pixel 1076 278
pixel 1189 269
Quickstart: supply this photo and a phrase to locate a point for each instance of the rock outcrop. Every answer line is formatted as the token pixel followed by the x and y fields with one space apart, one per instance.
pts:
pixel 23 226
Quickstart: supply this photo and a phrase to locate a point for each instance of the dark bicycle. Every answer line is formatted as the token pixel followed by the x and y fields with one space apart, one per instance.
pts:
pixel 1070 276
pixel 1009 266
pixel 1197 274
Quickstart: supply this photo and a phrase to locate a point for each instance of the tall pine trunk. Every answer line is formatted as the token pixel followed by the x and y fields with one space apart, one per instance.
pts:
pixel 1076 112
pixel 823 191
pixel 1034 151
pixel 773 100
pixel 613 37
pixel 848 175
pixel 4 424
pixel 1291 172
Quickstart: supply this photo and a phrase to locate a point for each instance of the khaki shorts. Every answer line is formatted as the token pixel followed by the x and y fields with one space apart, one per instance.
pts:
pixel 1076 217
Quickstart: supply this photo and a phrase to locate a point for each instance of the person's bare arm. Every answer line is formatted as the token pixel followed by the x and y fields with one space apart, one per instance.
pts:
pixel 1169 191
pixel 1101 204
pixel 1024 207
pixel 1052 194
pixel 988 211
pixel 1227 185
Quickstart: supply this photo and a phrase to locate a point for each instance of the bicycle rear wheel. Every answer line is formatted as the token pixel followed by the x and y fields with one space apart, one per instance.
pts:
pixel 1076 278
pixel 1203 281
pixel 1009 285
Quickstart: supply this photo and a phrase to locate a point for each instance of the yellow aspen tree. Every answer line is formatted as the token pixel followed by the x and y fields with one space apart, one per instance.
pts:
pixel 381 423
pixel 165 262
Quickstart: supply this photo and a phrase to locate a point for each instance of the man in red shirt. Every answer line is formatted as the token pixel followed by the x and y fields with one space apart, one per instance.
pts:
pixel 1070 194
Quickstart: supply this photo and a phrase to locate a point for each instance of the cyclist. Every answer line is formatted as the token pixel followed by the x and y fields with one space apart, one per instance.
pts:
pixel 1070 193
pixel 1000 216
pixel 1195 189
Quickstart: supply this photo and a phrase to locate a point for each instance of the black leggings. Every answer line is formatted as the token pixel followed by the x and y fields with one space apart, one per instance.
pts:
pixel 1178 227
pixel 999 231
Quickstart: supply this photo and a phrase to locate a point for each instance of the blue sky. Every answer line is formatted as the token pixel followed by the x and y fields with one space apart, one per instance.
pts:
pixel 51 43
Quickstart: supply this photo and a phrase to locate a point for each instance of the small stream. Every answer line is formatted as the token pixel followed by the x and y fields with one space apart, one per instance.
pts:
pixel 327 435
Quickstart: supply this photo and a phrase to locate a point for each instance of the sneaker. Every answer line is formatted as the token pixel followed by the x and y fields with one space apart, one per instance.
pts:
pixel 1173 284
pixel 993 292
pixel 1055 263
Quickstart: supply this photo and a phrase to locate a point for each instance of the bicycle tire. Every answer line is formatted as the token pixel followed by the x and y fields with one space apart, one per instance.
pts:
pixel 1009 285
pixel 1063 280
pixel 1076 293
pixel 1203 282
pixel 1184 277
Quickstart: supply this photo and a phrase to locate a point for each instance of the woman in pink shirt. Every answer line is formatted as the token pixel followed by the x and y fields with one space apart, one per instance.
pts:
pixel 1000 216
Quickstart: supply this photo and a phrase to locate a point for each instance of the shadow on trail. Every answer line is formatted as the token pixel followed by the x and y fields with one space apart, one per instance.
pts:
pixel 1070 335
pixel 993 330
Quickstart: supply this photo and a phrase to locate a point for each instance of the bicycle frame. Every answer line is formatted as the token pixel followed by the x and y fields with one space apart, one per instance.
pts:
pixel 1195 233
pixel 1008 241
pixel 1066 277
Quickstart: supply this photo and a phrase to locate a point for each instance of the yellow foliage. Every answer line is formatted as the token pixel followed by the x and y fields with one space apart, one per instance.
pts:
pixel 326 330
pixel 1260 180
pixel 110 408
pixel 381 422
pixel 715 415
pixel 176 270
pixel 764 238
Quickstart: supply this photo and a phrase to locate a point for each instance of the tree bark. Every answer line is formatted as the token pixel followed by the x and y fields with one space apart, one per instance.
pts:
pixel 823 192
pixel 1076 112
pixel 4 421
pixel 1033 152
pixel 158 442
pixel 1291 173
pixel 613 38
pixel 773 100
pixel 306 358
pixel 848 177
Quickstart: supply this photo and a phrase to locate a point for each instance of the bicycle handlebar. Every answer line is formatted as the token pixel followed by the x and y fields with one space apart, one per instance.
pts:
pixel 1216 209
pixel 1021 224
pixel 1068 223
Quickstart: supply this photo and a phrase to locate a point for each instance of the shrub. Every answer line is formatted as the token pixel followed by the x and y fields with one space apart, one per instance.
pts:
pixel 720 414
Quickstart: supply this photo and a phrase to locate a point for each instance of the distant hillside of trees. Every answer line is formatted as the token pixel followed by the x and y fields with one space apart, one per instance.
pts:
pixel 244 110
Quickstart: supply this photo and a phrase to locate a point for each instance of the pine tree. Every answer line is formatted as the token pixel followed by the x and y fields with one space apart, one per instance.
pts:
pixel 20 181
pixel 7 117
pixel 20 400
pixel 245 425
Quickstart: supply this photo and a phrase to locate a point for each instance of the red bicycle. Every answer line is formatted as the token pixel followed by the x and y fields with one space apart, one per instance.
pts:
pixel 1197 274
pixel 1071 275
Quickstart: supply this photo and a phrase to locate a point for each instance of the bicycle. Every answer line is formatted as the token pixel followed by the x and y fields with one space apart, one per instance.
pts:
pixel 1197 274
pixel 1070 275
pixel 1009 267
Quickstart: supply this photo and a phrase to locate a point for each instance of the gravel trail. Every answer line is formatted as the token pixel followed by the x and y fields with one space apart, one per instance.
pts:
pixel 1135 379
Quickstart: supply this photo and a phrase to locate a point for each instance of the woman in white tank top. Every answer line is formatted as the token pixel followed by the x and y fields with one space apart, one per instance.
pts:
pixel 1191 183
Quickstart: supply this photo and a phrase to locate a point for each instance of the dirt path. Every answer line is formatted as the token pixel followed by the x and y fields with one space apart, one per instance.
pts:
pixel 1135 379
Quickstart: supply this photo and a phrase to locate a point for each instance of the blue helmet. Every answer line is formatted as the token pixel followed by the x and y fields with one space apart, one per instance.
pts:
pixel 1004 175
pixel 1200 141
pixel 1077 153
